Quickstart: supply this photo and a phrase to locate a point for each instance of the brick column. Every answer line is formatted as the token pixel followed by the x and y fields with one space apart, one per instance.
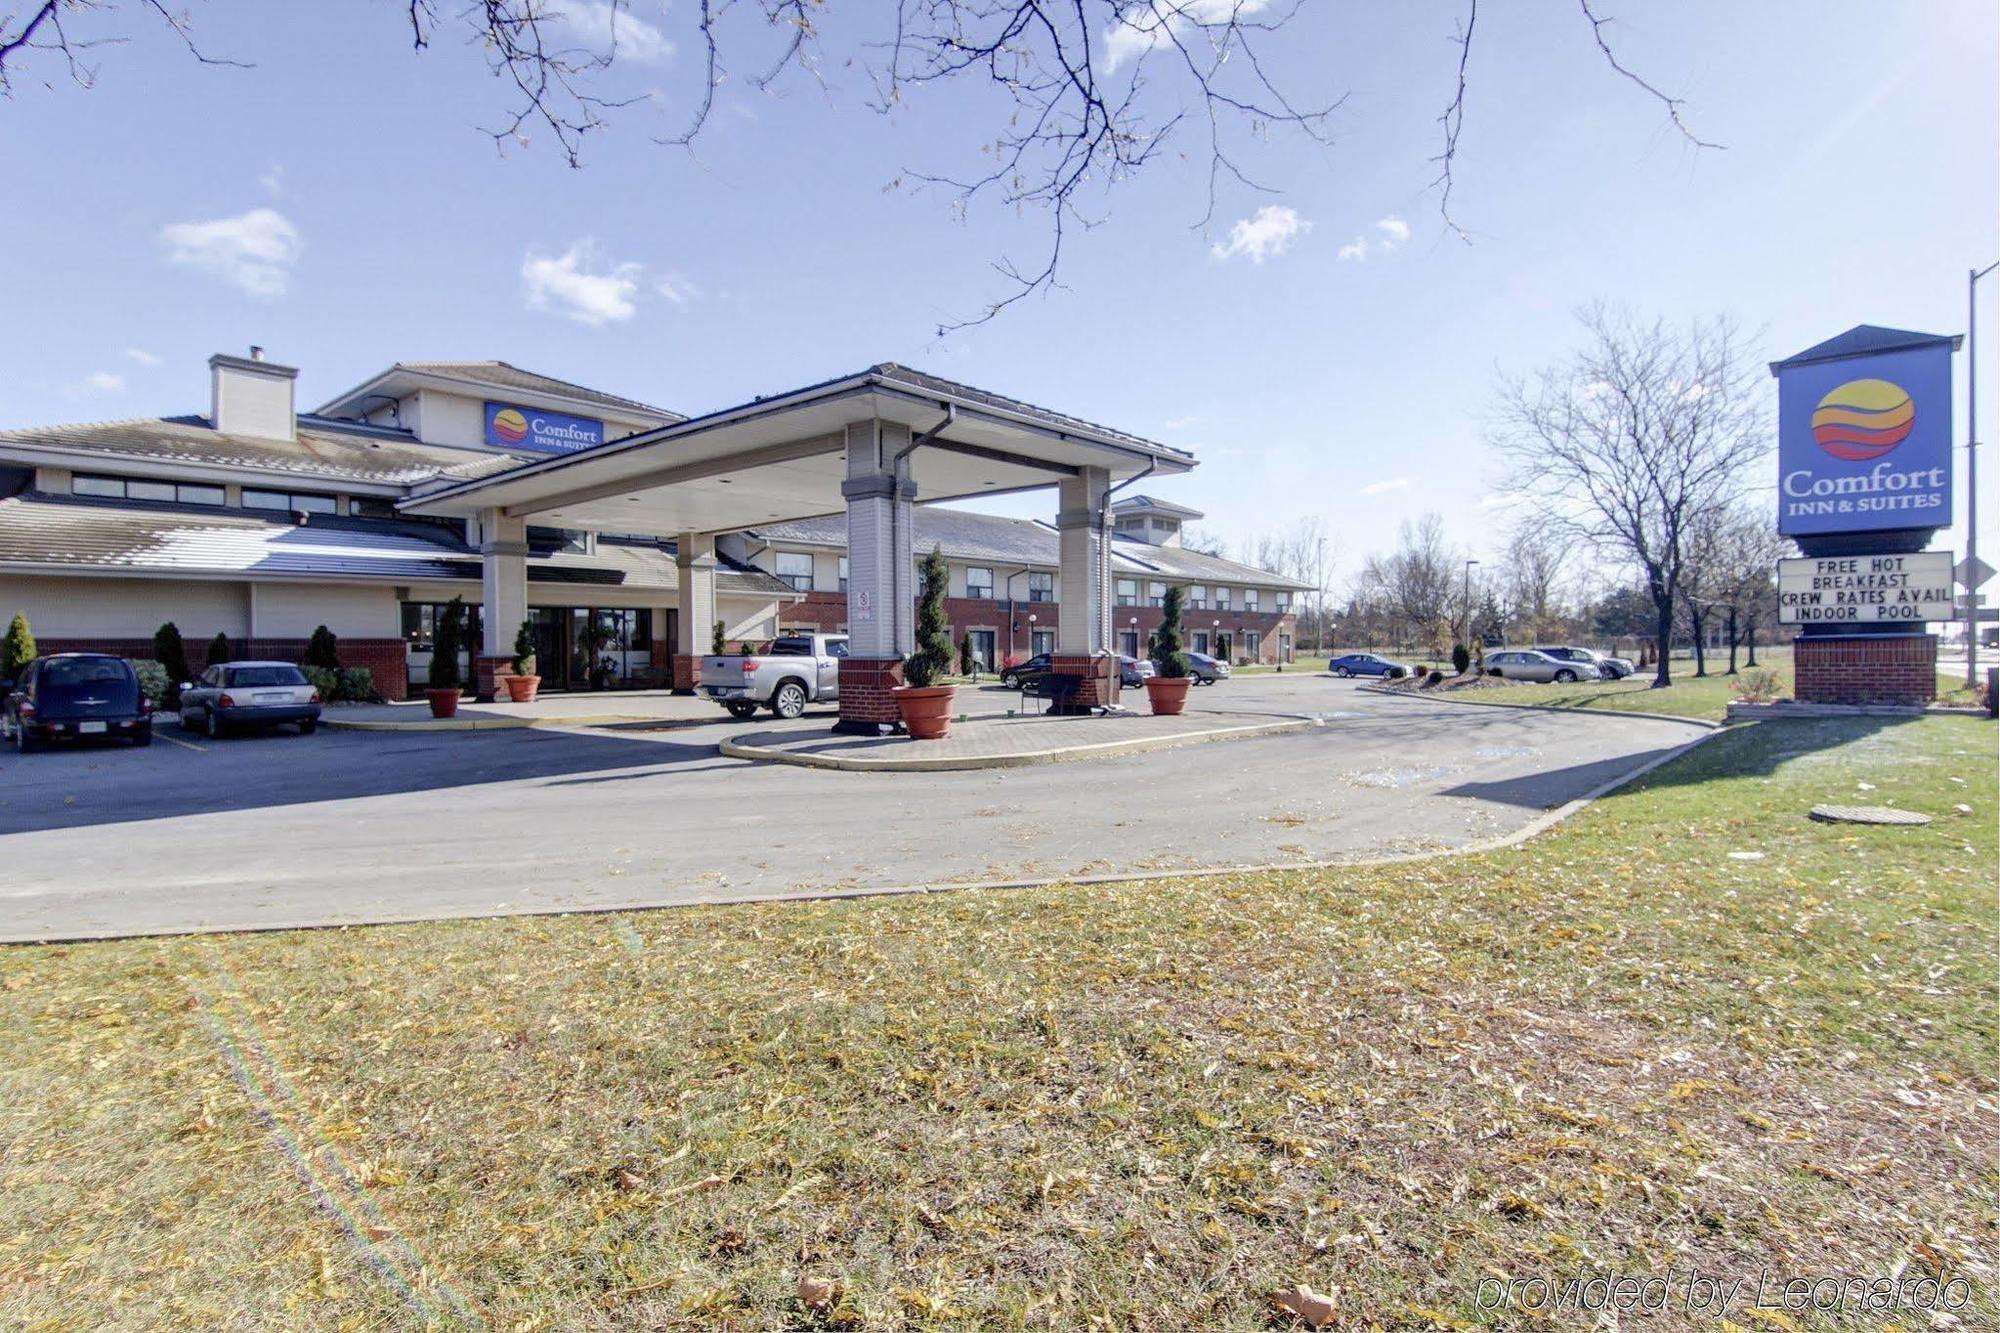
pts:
pixel 1099 675
pixel 694 564
pixel 1865 669
pixel 881 610
pixel 867 703
pixel 487 668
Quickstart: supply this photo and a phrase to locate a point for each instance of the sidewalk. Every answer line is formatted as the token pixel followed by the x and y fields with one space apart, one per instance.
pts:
pixel 658 707
pixel 1003 742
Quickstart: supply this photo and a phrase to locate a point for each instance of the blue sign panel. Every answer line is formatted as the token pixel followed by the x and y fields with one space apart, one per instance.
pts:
pixel 1864 442
pixel 530 430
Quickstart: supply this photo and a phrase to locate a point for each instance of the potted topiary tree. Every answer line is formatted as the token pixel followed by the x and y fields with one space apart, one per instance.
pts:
pixel 1167 690
pixel 524 684
pixel 924 704
pixel 446 679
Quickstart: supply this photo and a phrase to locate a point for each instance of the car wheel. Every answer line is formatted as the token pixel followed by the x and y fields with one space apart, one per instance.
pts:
pixel 212 723
pixel 742 712
pixel 308 726
pixel 1010 680
pixel 144 736
pixel 1342 672
pixel 789 701
pixel 1565 677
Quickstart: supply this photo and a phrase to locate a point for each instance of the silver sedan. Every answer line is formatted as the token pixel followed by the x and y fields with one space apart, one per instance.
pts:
pixel 1528 664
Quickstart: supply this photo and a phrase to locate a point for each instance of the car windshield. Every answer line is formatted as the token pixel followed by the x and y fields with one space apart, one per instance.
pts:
pixel 266 675
pixel 90 675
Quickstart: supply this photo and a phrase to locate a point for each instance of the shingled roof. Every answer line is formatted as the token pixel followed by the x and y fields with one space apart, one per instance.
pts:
pixel 320 450
pixel 501 375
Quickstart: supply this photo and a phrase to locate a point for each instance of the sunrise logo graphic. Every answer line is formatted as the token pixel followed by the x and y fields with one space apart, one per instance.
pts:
pixel 512 427
pixel 1863 419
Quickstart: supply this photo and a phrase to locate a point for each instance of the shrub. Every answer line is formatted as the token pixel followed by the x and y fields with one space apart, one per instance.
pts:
pixel 171 654
pixel 326 682
pixel 356 684
pixel 1461 658
pixel 219 650
pixel 932 660
pixel 1760 685
pixel 445 672
pixel 716 646
pixel 1012 660
pixel 19 648
pixel 1170 659
pixel 153 681
pixel 1433 677
pixel 524 649
pixel 965 659
pixel 322 650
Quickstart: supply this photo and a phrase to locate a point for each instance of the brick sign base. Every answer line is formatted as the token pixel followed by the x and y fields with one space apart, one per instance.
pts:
pixel 866 702
pixel 1865 669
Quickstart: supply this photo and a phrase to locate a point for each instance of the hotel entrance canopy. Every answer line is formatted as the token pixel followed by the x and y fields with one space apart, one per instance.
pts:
pixel 869 444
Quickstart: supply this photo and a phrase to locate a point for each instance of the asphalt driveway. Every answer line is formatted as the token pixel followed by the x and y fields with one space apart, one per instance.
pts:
pixel 359 827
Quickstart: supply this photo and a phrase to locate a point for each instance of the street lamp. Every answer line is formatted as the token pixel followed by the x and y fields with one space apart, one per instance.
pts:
pixel 1972 470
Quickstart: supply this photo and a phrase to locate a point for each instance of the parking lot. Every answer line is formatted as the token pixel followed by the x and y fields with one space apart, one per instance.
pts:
pixel 355 827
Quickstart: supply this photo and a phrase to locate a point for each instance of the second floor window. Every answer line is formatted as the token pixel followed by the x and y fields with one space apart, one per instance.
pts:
pixel 302 502
pixel 1198 597
pixel 978 582
pixel 843 573
pixel 1128 592
pixel 1041 587
pixel 1284 601
pixel 137 488
pixel 1222 599
pixel 1156 595
pixel 795 568
pixel 1249 599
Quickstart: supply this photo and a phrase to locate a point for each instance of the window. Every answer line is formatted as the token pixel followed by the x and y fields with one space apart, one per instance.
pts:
pixel 1128 592
pixel 371 506
pixel 135 488
pixel 1201 641
pixel 291 501
pixel 1249 599
pixel 1156 594
pixel 1284 647
pixel 982 648
pixel 1041 587
pixel 265 675
pixel 1198 598
pixel 795 568
pixel 1221 598
pixel 1253 645
pixel 1128 642
pixel 1042 641
pixel 843 573
pixel 978 582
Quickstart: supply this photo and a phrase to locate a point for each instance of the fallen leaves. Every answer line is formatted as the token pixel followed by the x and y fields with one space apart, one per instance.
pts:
pixel 1309 1307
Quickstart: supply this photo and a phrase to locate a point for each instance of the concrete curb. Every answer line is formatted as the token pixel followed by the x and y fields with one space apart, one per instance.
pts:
pixel 1749 712
pixel 1542 708
pixel 509 723
pixel 1063 754
pixel 1534 828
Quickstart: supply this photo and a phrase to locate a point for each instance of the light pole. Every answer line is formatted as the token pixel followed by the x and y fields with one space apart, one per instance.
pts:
pixel 1972 469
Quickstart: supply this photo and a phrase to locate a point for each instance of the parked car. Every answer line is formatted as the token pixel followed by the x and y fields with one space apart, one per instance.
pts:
pixel 75 696
pixel 800 669
pixel 1208 670
pixel 240 696
pixel 1611 668
pixel 1014 677
pixel 1532 664
pixel 1134 671
pixel 1366 664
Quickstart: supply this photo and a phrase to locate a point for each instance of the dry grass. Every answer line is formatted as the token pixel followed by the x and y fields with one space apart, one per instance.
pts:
pixel 1617 1050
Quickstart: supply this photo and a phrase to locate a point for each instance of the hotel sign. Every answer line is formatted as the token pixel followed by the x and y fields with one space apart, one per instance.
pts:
pixel 1864 442
pixel 1865 589
pixel 530 430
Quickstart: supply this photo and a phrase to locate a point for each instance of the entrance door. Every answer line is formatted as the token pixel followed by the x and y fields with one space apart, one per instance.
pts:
pixel 1128 642
pixel 551 649
pixel 982 648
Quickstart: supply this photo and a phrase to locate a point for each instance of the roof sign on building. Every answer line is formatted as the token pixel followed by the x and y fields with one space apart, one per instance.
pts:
pixel 531 430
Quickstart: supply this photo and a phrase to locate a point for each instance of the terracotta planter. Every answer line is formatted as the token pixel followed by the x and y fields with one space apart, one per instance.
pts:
pixel 523 689
pixel 1168 694
pixel 926 712
pixel 444 703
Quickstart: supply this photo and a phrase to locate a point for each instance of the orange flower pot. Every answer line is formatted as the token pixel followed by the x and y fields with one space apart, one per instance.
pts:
pixel 444 703
pixel 927 711
pixel 1168 694
pixel 523 689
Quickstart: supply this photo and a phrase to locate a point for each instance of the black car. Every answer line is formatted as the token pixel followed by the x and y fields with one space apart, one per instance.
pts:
pixel 1014 677
pixel 76 696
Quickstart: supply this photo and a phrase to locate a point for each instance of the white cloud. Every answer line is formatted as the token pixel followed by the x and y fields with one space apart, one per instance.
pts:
pixel 1501 500
pixel 1182 423
pixel 1270 232
pixel 677 289
pixel 1393 234
pixel 566 285
pixel 610 30
pixel 94 385
pixel 254 251
pixel 273 180
pixel 1142 26
pixel 1384 487
pixel 142 356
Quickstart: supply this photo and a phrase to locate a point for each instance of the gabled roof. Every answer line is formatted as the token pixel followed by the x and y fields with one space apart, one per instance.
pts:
pixel 964 535
pixel 1866 340
pixel 1155 505
pixel 70 531
pixel 323 450
pixel 501 375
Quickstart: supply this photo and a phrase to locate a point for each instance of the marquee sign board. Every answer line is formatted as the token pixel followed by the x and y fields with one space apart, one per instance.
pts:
pixel 1866 589
pixel 531 430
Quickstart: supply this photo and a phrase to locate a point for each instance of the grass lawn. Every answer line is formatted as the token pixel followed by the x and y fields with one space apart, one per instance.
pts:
pixel 1623 1048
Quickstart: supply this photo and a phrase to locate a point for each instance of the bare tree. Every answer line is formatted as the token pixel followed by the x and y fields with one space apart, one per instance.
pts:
pixel 1632 440
pixel 1091 93
pixel 1534 572
pixel 1416 586
pixel 1204 542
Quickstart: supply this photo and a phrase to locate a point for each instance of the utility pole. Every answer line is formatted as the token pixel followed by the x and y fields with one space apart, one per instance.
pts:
pixel 1972 469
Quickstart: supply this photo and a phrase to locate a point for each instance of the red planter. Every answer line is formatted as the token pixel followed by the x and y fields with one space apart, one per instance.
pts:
pixel 1168 694
pixel 523 689
pixel 926 712
pixel 444 703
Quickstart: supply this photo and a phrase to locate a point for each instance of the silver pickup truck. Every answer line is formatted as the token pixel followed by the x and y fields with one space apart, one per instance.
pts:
pixel 800 669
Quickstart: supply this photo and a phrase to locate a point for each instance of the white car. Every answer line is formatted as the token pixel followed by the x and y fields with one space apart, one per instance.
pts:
pixel 1529 664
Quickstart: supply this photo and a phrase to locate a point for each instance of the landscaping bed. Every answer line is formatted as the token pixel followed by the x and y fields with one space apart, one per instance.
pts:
pixel 1688 1029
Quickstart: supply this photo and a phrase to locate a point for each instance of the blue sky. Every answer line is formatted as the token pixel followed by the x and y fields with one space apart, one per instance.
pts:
pixel 1346 373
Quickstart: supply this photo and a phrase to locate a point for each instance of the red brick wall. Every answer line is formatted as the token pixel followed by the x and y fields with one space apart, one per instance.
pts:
pixel 865 685
pixel 1865 669
pixel 827 613
pixel 386 659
